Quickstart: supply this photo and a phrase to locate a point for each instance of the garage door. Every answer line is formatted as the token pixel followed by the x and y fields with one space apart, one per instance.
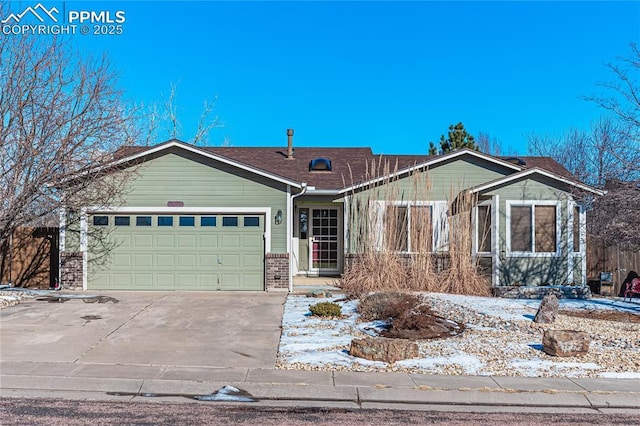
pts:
pixel 176 252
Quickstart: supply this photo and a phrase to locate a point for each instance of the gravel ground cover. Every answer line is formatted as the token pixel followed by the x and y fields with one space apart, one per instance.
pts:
pixel 501 339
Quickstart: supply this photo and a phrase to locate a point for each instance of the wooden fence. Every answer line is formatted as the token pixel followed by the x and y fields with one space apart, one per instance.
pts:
pixel 601 258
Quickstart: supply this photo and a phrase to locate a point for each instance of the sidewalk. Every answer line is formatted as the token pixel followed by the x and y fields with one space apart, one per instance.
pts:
pixel 354 390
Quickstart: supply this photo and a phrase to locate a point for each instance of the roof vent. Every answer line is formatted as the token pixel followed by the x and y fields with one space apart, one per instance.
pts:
pixel 320 165
pixel 517 161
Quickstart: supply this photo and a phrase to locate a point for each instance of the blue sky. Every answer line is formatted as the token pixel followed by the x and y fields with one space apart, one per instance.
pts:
pixel 388 75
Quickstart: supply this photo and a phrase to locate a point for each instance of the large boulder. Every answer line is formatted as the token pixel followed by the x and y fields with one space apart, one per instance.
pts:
pixel 565 342
pixel 548 310
pixel 383 349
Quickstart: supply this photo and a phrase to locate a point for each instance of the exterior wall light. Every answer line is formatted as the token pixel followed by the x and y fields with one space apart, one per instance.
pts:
pixel 278 217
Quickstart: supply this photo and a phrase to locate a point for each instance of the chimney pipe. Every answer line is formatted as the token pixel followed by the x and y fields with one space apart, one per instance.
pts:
pixel 289 144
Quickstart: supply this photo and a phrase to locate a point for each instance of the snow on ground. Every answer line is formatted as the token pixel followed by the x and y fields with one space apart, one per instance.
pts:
pixel 501 339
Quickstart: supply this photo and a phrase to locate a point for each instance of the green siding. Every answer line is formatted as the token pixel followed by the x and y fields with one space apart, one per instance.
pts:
pixel 534 270
pixel 447 180
pixel 200 182
pixel 444 180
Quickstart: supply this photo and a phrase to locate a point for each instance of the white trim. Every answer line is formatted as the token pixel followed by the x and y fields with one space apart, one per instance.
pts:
pixel 199 151
pixel 435 161
pixel 84 247
pixel 62 235
pixel 495 233
pixel 525 173
pixel 475 243
pixel 532 204
pixel 180 210
pixel 289 221
pixel 582 229
pixel 289 236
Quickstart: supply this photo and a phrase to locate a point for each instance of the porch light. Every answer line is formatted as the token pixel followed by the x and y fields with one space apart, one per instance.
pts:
pixel 278 217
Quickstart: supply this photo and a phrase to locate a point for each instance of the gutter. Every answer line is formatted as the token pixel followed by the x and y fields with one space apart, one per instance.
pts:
pixel 304 191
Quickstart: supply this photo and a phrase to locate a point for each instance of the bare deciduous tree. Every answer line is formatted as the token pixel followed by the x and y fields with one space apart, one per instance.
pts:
pixel 164 122
pixel 61 118
pixel 594 157
pixel 621 98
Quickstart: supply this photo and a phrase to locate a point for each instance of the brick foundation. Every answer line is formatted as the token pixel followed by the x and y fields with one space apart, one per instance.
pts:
pixel 277 271
pixel 71 269
pixel 440 261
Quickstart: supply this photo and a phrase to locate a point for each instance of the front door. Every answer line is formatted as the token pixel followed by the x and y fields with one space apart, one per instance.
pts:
pixel 324 241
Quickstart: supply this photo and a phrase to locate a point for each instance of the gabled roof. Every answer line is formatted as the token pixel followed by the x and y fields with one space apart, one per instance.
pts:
pixel 352 168
pixel 430 161
pixel 135 153
pixel 529 172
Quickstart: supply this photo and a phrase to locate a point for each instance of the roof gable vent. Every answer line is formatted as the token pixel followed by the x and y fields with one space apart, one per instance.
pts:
pixel 320 165
pixel 517 161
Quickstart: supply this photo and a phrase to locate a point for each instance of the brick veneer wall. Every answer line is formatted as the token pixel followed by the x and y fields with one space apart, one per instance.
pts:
pixel 71 269
pixel 277 266
pixel 441 261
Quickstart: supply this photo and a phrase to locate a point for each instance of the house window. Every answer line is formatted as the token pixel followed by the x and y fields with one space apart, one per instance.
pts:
pixel 122 220
pixel 143 220
pixel 187 221
pixel 208 221
pixel 484 229
pixel 533 228
pixel 101 220
pixel 408 228
pixel 230 221
pixel 165 220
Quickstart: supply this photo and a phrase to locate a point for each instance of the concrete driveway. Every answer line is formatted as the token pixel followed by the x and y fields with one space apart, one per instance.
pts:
pixel 199 329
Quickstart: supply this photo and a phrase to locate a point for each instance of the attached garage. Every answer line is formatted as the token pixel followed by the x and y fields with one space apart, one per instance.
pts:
pixel 176 251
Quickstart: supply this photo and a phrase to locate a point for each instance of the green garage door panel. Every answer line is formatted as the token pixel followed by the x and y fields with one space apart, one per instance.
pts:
pixel 180 257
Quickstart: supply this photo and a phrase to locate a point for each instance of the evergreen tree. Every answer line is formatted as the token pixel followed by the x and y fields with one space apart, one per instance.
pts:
pixel 458 138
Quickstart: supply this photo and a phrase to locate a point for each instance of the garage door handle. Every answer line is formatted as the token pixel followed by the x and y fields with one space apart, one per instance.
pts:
pixel 219 261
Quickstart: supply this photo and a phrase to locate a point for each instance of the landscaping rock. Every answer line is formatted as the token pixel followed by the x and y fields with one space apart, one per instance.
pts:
pixel 383 349
pixel 548 310
pixel 565 342
pixel 319 293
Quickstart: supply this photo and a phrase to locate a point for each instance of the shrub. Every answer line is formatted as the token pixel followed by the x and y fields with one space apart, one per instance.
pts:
pixel 385 305
pixel 326 309
pixel 422 323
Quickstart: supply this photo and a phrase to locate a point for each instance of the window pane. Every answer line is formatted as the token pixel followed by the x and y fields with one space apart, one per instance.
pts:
pixel 576 229
pixel 165 220
pixel 101 220
pixel 123 221
pixel 187 221
pixel 230 221
pixel 545 229
pixel 143 220
pixel 521 228
pixel 251 221
pixel 208 221
pixel 484 229
pixel 421 230
pixel 396 228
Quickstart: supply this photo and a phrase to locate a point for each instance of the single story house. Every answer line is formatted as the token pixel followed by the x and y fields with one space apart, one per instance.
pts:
pixel 250 218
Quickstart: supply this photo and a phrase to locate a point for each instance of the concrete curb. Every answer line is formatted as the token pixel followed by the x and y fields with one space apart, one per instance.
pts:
pixel 353 390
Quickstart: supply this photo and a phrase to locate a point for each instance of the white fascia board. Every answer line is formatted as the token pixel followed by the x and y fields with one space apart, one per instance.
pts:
pixel 203 153
pixel 323 192
pixel 435 161
pixel 179 210
pixel 528 172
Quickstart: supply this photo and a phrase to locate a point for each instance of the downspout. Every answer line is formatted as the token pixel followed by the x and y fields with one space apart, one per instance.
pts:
pixel 304 190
